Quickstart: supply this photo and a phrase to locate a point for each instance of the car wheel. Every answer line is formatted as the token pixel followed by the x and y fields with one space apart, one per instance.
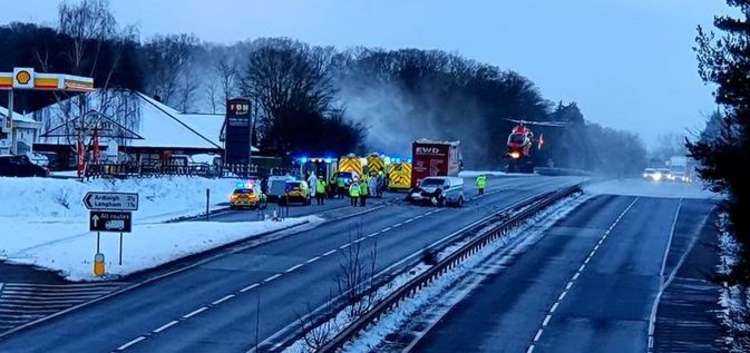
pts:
pixel 460 202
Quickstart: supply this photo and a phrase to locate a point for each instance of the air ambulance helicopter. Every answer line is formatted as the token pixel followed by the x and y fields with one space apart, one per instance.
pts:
pixel 522 145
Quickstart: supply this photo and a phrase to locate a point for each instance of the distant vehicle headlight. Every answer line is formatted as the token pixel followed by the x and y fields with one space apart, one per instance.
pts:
pixel 515 155
pixel 657 176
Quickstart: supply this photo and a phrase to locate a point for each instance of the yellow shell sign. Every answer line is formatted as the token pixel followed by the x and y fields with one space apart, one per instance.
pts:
pixel 23 77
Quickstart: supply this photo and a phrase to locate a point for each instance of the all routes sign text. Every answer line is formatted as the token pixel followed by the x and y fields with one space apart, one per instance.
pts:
pixel 111 201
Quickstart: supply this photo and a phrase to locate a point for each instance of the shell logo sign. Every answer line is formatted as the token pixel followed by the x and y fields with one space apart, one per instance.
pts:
pixel 23 77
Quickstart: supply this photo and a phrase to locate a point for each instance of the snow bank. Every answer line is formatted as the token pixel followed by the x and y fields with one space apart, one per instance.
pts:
pixel 44 223
pixel 640 187
pixel 70 249
pixel 60 199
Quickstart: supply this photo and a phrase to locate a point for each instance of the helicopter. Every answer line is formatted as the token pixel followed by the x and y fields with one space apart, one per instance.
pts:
pixel 522 144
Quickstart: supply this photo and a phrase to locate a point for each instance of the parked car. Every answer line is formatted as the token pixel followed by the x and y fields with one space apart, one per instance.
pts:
pixel 438 191
pixel 296 191
pixel 20 166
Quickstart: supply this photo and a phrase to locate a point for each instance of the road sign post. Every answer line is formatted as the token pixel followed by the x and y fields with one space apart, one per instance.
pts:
pixel 111 201
pixel 110 212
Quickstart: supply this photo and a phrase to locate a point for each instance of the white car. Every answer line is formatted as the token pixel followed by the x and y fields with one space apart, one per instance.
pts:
pixel 439 191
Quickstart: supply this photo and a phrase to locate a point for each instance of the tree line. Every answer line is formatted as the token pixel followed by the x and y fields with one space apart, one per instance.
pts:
pixel 319 100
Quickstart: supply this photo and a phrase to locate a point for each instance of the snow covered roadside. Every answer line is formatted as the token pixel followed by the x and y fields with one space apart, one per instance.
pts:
pixel 433 301
pixel 59 200
pixel 733 299
pixel 59 247
pixel 640 187
pixel 44 223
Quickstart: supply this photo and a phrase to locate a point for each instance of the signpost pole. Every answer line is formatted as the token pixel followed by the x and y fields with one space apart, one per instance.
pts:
pixel 208 202
pixel 12 133
pixel 120 248
pixel 97 242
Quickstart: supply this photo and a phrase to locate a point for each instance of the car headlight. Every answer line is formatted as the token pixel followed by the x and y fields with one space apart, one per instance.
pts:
pixel 657 176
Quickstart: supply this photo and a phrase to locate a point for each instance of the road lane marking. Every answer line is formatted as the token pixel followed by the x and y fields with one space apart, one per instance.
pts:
pixel 269 279
pixel 316 258
pixel 166 326
pixel 195 312
pixel 329 252
pixel 217 302
pixel 243 290
pixel 294 268
pixel 359 240
pixel 342 247
pixel 127 345
pixel 398 224
pixel 575 277
pixel 538 334
pixel 386 229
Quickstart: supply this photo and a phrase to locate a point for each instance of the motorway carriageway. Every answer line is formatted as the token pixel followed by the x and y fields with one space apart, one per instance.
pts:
pixel 211 307
pixel 589 285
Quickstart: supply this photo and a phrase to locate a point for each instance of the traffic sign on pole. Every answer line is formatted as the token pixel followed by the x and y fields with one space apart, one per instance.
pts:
pixel 111 201
pixel 116 222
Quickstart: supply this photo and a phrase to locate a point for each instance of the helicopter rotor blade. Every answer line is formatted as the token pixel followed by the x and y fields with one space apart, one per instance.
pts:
pixel 539 123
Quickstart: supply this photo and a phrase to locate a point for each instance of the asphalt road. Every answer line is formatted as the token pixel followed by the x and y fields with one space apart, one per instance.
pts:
pixel 588 286
pixel 215 305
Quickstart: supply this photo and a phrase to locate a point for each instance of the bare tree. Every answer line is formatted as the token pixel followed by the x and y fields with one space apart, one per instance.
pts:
pixel 167 59
pixel 356 278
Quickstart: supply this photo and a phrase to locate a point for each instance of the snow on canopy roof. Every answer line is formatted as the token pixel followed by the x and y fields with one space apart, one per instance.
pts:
pixel 438 142
pixel 161 126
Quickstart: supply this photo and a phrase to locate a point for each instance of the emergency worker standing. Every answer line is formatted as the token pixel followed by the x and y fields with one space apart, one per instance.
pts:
pixel 363 193
pixel 354 193
pixel 320 193
pixel 481 183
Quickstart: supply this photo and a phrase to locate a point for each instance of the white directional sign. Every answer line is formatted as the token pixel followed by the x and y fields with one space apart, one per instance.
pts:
pixel 111 201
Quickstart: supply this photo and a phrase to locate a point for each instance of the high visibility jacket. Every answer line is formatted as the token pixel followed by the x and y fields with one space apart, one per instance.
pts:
pixel 481 182
pixel 340 182
pixel 354 190
pixel 321 187
pixel 363 189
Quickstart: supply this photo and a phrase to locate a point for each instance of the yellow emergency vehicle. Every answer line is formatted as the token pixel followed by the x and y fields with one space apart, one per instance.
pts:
pixel 399 176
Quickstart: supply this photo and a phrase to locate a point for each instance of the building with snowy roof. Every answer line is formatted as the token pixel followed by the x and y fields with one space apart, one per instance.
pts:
pixel 27 132
pixel 156 131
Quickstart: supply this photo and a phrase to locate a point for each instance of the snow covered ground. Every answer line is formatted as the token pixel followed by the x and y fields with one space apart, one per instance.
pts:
pixel 44 223
pixel 59 200
pixel 640 187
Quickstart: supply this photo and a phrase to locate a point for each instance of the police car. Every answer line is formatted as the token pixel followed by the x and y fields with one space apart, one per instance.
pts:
pixel 247 195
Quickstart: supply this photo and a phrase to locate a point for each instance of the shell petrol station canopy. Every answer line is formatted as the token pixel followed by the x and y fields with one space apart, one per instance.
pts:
pixel 25 78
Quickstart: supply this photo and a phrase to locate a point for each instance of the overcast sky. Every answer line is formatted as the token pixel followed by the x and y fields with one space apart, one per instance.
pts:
pixel 628 63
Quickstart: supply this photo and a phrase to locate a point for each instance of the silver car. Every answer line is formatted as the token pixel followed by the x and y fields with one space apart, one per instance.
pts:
pixel 439 191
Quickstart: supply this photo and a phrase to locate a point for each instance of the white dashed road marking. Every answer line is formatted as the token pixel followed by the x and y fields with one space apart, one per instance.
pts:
pixel 195 312
pixel 316 258
pixel 269 279
pixel 217 302
pixel 126 345
pixel 166 326
pixel 243 290
pixel 294 268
